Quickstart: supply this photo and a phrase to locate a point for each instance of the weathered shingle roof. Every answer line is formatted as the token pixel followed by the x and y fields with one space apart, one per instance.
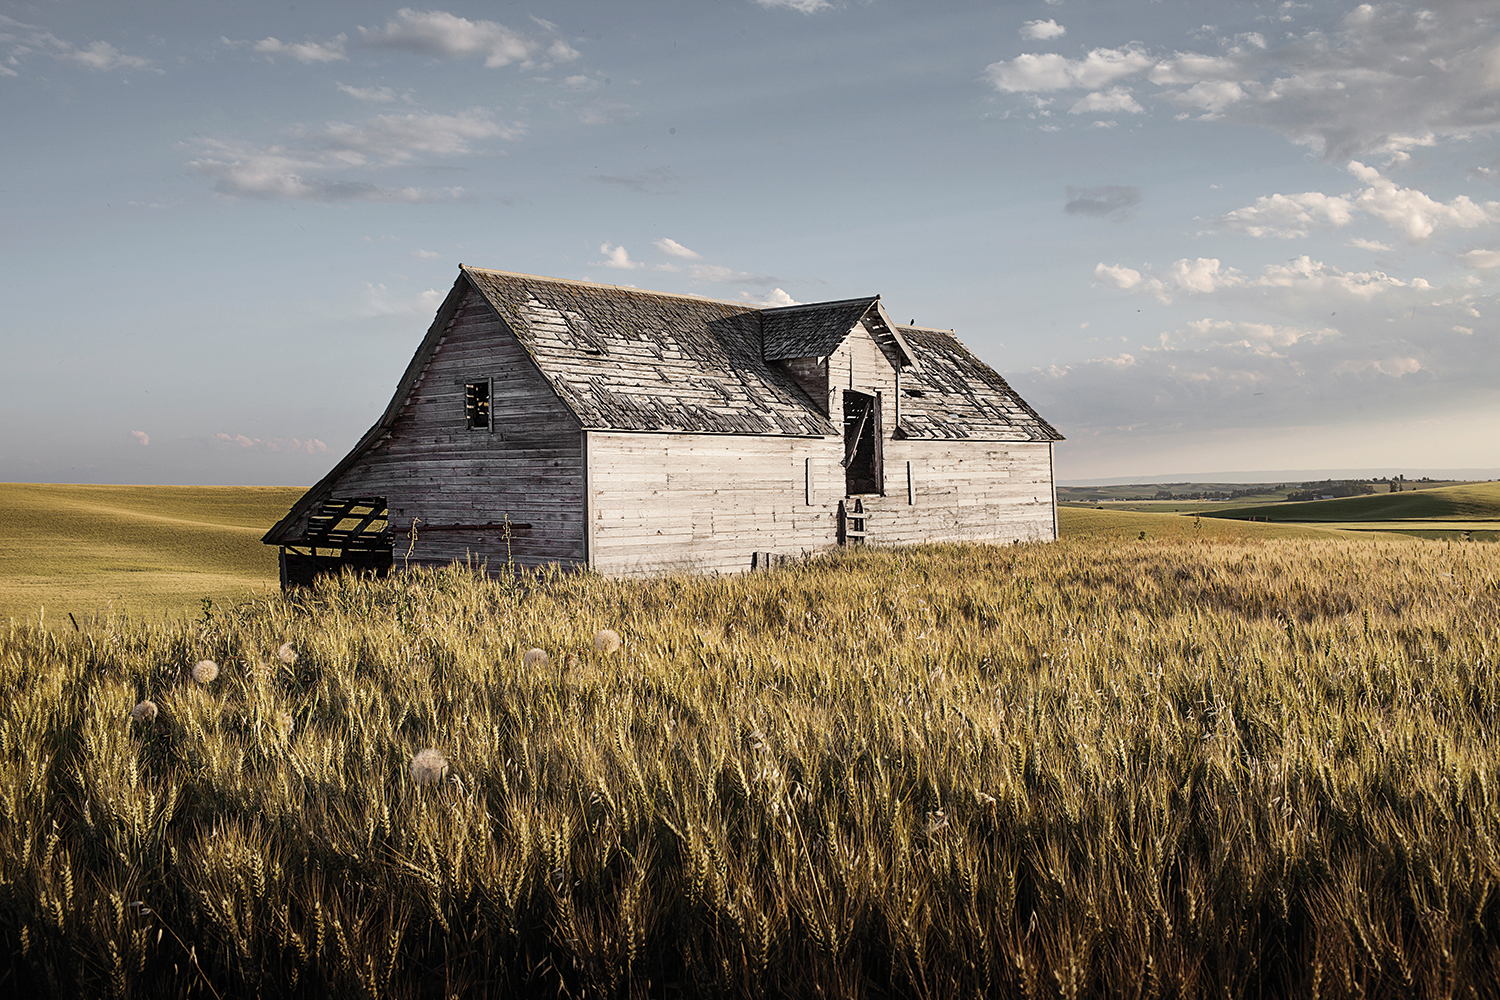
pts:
pixel 952 394
pixel 626 359
pixel 812 330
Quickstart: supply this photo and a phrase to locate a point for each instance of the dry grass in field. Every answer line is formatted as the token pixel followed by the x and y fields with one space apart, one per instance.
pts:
pixel 1093 768
pixel 146 549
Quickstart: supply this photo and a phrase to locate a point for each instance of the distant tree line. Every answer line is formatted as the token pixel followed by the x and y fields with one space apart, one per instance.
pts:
pixel 1330 488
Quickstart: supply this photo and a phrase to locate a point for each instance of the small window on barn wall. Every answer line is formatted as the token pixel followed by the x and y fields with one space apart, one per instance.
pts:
pixel 477 405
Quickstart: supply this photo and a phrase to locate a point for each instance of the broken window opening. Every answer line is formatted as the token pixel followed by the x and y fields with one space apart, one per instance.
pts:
pixel 477 405
pixel 863 454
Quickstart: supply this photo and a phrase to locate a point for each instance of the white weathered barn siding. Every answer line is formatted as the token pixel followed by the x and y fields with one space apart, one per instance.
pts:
pixel 706 502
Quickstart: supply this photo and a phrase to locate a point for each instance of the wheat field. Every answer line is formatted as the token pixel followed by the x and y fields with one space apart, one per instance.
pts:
pixel 1186 767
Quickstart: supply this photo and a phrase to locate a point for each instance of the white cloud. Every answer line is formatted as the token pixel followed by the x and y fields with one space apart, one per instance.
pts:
pixel 1042 30
pixel 1261 337
pixel 142 437
pixel 616 257
pixel 674 249
pixel 1408 210
pixel 1289 216
pixel 1112 101
pixel 1363 244
pixel 1392 366
pixel 776 297
pixel 804 6
pixel 1213 96
pixel 1390 78
pixel 295 170
pixel 1414 212
pixel 1206 276
pixel 580 83
pixel 719 274
pixel 304 52
pixel 426 255
pixel 1481 259
pixel 379 95
pixel 1050 71
pixel 1116 276
pixel 438 33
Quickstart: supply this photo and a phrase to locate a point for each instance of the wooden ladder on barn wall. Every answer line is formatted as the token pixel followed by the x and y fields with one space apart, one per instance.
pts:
pixel 853 521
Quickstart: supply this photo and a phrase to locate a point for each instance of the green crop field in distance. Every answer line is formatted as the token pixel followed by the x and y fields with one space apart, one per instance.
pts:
pixel 140 549
pixel 1475 502
pixel 1087 523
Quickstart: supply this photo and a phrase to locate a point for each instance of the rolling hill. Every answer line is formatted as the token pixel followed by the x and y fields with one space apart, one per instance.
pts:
pixel 1476 502
pixel 145 549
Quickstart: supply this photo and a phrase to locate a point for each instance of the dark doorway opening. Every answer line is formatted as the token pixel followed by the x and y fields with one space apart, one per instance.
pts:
pixel 863 456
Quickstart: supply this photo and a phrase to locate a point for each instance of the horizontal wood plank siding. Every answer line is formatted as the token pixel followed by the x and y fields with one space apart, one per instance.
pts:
pixel 964 491
pixel 527 471
pixel 704 502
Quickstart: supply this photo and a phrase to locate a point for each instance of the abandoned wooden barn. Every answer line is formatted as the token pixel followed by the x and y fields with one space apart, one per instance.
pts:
pixel 550 421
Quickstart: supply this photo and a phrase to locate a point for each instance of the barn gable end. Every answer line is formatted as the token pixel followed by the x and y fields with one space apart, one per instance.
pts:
pixel 511 491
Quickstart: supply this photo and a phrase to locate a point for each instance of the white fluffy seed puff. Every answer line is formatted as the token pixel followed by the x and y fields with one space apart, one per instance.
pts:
pixel 607 641
pixel 144 712
pixel 428 766
pixel 205 671
pixel 535 658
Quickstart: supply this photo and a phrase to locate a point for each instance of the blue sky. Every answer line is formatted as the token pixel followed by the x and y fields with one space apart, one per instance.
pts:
pixel 1202 236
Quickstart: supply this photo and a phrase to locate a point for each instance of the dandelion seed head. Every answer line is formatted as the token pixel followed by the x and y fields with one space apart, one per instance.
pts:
pixel 284 723
pixel 286 654
pixel 204 671
pixel 607 641
pixel 144 712
pixel 428 766
pixel 535 658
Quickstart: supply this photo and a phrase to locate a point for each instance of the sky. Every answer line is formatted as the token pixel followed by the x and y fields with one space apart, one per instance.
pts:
pixel 1193 235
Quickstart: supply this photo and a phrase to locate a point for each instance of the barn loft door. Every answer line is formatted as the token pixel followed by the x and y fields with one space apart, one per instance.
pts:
pixel 863 472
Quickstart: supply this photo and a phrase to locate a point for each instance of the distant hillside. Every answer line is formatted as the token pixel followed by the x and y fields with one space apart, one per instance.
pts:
pixel 1477 502
pixel 146 549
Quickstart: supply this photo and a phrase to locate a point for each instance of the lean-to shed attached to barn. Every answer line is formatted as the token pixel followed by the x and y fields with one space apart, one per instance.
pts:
pixel 551 421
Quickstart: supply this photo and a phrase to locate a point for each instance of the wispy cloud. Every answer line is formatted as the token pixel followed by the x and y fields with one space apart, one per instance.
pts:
pixel 382 301
pixel 142 437
pixel 19 40
pixel 674 249
pixel 306 446
pixel 657 180
pixel 1108 199
pixel 308 52
pixel 440 34
pixel 379 95
pixel 301 168
pixel 802 6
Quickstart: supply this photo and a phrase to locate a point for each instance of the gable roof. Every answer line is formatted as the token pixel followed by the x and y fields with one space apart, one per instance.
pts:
pixel 626 359
pixel 952 394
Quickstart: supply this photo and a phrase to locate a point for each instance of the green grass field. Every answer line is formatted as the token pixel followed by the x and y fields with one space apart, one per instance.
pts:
pixel 1476 506
pixel 148 550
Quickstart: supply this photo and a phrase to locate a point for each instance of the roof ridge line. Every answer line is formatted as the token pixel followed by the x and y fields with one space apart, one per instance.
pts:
pixel 619 288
